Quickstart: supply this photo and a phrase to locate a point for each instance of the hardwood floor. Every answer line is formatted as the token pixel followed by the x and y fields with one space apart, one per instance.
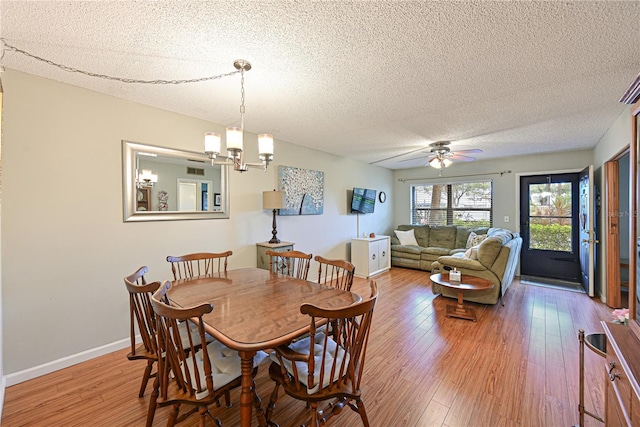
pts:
pixel 517 366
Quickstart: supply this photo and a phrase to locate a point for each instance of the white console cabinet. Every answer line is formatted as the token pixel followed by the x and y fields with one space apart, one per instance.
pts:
pixel 371 255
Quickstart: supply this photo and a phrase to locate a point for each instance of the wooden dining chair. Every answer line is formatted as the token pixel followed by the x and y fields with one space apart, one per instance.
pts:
pixel 141 315
pixel 188 374
pixel 198 264
pixel 328 365
pixel 335 273
pixel 290 263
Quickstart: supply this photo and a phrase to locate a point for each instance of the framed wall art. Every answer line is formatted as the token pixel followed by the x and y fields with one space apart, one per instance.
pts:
pixel 303 191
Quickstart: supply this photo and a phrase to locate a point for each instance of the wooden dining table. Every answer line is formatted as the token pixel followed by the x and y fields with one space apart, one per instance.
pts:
pixel 253 310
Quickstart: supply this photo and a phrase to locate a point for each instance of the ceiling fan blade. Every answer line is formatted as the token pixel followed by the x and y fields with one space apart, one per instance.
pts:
pixel 414 158
pixel 461 158
pixel 473 150
pixel 396 156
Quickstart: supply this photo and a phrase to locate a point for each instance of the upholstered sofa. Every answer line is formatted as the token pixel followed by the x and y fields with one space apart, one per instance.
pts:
pixel 495 258
pixel 432 243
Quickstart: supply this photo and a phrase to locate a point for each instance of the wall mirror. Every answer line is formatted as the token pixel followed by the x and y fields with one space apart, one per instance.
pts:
pixel 164 184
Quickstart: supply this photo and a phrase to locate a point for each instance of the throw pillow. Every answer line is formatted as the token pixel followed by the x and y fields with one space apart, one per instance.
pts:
pixel 406 237
pixel 475 239
pixel 471 253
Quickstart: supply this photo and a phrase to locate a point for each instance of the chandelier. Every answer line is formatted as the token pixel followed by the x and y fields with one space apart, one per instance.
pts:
pixel 146 178
pixel 211 139
pixel 235 136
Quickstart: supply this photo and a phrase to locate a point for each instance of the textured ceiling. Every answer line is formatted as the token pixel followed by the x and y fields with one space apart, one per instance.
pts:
pixel 367 80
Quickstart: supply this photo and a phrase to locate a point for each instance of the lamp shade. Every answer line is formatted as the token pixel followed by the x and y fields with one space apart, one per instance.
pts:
pixel 272 200
pixel 265 144
pixel 212 142
pixel 234 139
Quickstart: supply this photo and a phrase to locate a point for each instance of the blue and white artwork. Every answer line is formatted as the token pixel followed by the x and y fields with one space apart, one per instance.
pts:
pixel 303 191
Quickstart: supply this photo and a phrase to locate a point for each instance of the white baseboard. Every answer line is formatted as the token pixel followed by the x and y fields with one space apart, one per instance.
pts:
pixel 65 362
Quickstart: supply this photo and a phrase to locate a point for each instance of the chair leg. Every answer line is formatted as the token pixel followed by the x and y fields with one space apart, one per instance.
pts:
pixel 145 377
pixel 272 404
pixel 204 412
pixel 153 401
pixel 173 415
pixel 227 399
pixel 362 412
pixel 314 414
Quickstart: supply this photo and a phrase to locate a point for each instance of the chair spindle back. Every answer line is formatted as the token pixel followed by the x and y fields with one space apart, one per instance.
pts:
pixel 290 263
pixel 335 273
pixel 198 264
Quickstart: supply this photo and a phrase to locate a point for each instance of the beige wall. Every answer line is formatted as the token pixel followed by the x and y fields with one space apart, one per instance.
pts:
pixel 65 246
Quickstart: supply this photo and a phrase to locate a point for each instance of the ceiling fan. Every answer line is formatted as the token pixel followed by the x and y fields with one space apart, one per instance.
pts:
pixel 441 155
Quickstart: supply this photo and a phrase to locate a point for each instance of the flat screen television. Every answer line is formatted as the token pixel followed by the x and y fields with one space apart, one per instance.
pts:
pixel 363 200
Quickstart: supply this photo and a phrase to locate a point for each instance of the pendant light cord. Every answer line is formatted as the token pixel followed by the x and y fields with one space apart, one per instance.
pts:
pixel 7 47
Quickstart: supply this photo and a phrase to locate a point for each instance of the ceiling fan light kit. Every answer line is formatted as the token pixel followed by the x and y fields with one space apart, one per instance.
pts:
pixel 442 157
pixel 439 163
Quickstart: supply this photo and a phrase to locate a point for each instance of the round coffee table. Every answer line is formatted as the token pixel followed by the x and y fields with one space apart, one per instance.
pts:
pixel 466 283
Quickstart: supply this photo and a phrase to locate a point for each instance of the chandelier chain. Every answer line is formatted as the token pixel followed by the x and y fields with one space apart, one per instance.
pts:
pixel 242 98
pixel 7 46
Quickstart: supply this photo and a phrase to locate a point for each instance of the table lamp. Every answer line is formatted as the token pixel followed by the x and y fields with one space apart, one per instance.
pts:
pixel 273 200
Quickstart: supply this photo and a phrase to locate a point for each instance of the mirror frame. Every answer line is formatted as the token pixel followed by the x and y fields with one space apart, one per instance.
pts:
pixel 634 249
pixel 129 152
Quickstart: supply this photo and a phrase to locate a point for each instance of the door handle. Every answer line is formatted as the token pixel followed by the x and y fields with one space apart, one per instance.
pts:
pixel 613 376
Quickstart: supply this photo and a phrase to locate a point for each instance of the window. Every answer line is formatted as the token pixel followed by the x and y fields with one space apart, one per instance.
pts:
pixel 466 203
pixel 550 216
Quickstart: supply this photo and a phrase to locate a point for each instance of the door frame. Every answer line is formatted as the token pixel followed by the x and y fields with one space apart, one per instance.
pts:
pixel 554 262
pixel 612 224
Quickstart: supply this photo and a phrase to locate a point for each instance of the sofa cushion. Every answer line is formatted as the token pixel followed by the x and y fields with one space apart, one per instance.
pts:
pixel 442 236
pixel 459 263
pixel 489 250
pixel 462 235
pixel 412 250
pixel 406 237
pixel 435 251
pixel 422 235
